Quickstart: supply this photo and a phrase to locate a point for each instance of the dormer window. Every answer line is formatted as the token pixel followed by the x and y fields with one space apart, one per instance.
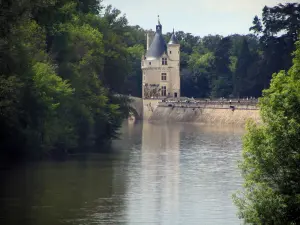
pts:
pixel 164 61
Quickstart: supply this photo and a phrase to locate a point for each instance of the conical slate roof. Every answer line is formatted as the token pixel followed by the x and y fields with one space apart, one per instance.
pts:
pixel 158 45
pixel 173 39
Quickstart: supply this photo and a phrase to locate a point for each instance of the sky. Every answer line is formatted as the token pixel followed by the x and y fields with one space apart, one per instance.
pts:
pixel 199 17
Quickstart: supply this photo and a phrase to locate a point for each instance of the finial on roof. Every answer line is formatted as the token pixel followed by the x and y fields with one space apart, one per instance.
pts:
pixel 173 39
pixel 158 20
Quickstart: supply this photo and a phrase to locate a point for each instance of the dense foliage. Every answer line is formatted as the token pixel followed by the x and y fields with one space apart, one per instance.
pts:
pixel 271 154
pixel 240 65
pixel 61 63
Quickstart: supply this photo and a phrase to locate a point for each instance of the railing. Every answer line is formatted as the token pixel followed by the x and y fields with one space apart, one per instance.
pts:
pixel 214 104
pixel 157 98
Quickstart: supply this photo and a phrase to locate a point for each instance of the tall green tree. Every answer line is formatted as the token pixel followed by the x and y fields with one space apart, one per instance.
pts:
pixel 278 29
pixel 58 77
pixel 133 82
pixel 211 42
pixel 241 75
pixel 222 82
pixel 271 154
pixel 198 84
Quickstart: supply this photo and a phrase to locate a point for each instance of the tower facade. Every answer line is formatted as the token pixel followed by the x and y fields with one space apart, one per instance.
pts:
pixel 161 66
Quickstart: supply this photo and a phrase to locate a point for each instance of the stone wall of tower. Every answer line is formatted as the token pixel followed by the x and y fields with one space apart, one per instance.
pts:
pixel 174 52
pixel 174 62
pixel 175 81
pixel 152 74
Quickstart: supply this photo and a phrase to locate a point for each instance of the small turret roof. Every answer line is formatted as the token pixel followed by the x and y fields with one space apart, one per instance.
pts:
pixel 173 39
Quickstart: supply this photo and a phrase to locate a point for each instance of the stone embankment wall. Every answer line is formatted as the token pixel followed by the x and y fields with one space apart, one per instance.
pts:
pixel 207 113
pixel 150 106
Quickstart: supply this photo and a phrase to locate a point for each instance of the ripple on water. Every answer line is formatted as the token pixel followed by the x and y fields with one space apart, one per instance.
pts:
pixel 158 174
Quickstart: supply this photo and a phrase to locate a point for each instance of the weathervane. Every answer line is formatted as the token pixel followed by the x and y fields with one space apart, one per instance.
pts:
pixel 158 19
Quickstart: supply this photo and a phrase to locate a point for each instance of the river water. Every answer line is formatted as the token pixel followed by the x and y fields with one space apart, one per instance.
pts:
pixel 164 174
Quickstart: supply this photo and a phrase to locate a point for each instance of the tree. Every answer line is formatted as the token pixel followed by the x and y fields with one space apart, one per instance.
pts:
pixel 241 74
pixel 222 82
pixel 133 82
pixel 271 154
pixel 60 64
pixel 277 19
pixel 198 83
pixel 211 42
pixel 278 30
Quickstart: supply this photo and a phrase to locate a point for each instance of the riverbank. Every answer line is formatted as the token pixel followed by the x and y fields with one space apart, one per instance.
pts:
pixel 222 112
pixel 225 116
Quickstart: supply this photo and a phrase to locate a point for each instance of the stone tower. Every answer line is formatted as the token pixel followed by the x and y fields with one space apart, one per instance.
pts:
pixel 161 66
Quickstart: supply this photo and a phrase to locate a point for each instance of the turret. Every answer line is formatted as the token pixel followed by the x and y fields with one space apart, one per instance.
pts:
pixel 174 48
pixel 161 66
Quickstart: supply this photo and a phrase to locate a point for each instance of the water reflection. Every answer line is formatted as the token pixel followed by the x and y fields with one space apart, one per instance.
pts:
pixel 80 191
pixel 154 192
pixel 156 174
pixel 209 162
pixel 187 174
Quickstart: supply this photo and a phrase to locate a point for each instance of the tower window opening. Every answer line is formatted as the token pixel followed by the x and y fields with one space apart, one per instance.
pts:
pixel 163 76
pixel 149 63
pixel 164 61
pixel 170 52
pixel 163 91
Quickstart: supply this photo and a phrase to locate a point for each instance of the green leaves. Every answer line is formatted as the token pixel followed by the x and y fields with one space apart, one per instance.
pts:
pixel 61 60
pixel 9 99
pixel 244 64
pixel 242 77
pixel 50 87
pixel 271 154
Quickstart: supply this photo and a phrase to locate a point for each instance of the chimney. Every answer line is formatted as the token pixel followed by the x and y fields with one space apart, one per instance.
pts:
pixel 150 35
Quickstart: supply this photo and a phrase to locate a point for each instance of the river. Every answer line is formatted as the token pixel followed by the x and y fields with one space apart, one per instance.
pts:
pixel 164 174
